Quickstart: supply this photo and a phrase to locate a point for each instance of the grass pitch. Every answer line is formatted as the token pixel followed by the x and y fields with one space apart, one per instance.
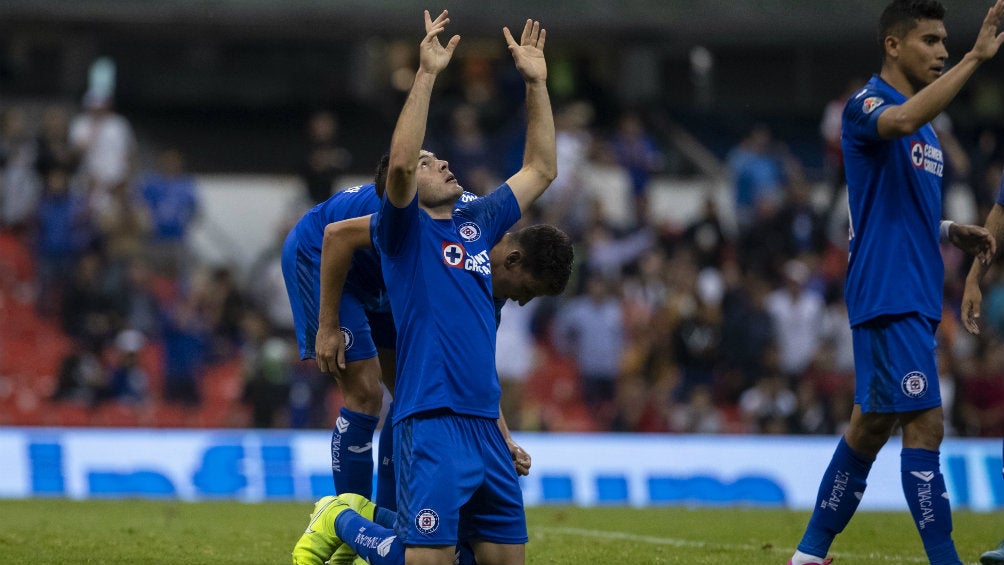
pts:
pixel 179 533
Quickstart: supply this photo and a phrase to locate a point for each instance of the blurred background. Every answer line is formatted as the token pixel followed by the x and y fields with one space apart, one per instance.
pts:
pixel 154 155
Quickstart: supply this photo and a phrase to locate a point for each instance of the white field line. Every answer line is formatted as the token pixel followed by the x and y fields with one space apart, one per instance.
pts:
pixel 655 540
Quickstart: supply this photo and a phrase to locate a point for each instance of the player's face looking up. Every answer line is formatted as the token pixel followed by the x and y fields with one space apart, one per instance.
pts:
pixel 436 184
pixel 921 52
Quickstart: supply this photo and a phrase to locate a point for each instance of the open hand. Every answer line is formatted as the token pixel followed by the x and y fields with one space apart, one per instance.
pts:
pixel 529 53
pixel 433 56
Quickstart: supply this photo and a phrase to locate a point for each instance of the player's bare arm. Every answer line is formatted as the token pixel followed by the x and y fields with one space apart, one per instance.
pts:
pixel 520 458
pixel 974 240
pixel 931 100
pixel 341 240
pixel 540 161
pixel 972 297
pixel 409 132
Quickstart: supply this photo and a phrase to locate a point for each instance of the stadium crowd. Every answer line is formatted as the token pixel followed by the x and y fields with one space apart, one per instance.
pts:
pixel 731 322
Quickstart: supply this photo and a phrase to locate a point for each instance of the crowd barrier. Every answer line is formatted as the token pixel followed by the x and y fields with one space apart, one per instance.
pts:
pixel 580 469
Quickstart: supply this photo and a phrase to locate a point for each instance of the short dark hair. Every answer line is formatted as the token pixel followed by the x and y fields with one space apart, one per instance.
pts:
pixel 900 16
pixel 380 177
pixel 547 255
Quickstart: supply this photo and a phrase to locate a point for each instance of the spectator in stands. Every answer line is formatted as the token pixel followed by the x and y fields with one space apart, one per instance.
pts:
pixel 636 150
pixel 696 343
pixel 122 222
pixel 53 142
pixel 767 406
pixel 266 365
pixel 20 184
pixel 590 328
pixel 697 414
pixel 172 197
pixel 128 381
pixel 104 143
pixel 81 377
pixel 706 237
pixel 562 203
pixel 796 310
pixel 62 233
pixel 138 302
pixel 758 175
pixel 88 308
pixel 514 358
pixel 186 345
pixel 325 159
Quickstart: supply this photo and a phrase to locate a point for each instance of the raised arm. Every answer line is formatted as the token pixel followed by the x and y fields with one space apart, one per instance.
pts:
pixel 409 132
pixel 341 240
pixel 540 159
pixel 931 100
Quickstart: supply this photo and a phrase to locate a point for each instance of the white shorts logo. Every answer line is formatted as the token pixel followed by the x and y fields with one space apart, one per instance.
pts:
pixel 915 384
pixel 427 521
pixel 349 338
pixel 469 231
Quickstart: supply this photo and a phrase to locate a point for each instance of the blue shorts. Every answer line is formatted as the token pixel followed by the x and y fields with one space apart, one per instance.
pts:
pixel 895 364
pixel 364 330
pixel 455 481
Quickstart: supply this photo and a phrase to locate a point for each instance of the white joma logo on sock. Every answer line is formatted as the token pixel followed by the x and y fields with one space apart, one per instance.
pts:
pixel 341 424
pixel 925 476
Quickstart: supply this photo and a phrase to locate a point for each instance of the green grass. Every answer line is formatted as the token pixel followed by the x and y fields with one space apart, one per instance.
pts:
pixel 169 533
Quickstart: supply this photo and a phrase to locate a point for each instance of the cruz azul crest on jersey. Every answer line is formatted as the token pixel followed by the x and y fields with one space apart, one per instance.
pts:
pixel 456 256
pixel 427 521
pixel 915 384
pixel 469 231
pixel 453 254
pixel 871 103
pixel 928 157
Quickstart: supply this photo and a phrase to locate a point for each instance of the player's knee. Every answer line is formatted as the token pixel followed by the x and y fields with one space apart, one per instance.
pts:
pixel 361 386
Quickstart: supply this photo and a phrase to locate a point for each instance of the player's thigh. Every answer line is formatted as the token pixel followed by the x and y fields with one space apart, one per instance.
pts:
pixel 495 511
pixel 488 553
pixel 422 555
pixel 896 369
pixel 438 468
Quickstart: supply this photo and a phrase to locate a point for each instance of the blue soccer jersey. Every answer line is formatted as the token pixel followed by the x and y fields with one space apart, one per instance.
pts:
pixel 894 194
pixel 440 288
pixel 301 263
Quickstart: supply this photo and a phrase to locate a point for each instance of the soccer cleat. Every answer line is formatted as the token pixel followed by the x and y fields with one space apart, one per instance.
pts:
pixel 826 561
pixel 319 541
pixel 994 556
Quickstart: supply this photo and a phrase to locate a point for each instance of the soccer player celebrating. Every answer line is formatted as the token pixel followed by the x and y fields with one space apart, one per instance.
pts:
pixel 451 458
pixel 972 299
pixel 895 273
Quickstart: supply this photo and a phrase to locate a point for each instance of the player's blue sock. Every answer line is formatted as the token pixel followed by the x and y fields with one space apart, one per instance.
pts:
pixel 352 452
pixel 840 492
pixel 377 544
pixel 924 487
pixel 385 517
pixel 386 492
